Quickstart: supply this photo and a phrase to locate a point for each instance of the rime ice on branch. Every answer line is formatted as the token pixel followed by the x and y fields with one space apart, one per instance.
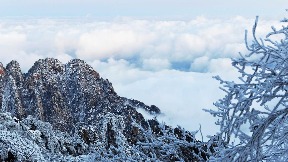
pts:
pixel 253 115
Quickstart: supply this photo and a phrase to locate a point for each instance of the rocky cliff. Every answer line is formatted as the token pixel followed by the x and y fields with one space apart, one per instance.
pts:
pixel 68 112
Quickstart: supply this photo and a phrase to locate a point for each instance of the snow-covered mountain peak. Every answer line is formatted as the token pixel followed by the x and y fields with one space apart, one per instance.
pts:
pixel 55 101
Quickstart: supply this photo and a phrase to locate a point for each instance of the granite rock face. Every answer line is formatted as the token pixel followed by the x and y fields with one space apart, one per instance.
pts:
pixel 70 113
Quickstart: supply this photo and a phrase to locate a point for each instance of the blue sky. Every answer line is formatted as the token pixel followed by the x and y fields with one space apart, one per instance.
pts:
pixel 147 8
pixel 161 52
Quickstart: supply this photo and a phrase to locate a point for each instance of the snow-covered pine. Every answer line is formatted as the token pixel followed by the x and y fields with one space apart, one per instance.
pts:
pixel 253 115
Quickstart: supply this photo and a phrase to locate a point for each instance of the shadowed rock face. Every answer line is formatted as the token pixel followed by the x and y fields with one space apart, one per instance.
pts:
pixel 62 94
pixel 2 74
pixel 73 98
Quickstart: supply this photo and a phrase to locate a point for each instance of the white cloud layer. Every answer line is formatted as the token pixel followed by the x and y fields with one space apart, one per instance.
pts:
pixel 166 63
pixel 148 44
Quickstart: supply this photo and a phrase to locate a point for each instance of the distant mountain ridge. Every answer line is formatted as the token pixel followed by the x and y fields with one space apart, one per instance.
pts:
pixel 73 99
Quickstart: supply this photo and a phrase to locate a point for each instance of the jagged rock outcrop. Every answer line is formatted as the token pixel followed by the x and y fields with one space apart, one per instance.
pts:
pixel 79 105
pixel 2 73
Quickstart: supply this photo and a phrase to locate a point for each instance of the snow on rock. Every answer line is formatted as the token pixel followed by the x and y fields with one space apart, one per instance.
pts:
pixel 67 112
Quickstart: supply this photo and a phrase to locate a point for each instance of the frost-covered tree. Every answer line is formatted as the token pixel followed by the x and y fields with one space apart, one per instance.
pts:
pixel 253 115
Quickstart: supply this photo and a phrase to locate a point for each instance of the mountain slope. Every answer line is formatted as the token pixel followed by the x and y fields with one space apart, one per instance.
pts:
pixel 68 112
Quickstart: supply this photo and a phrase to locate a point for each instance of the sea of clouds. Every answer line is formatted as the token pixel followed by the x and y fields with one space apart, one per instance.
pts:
pixel 166 63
